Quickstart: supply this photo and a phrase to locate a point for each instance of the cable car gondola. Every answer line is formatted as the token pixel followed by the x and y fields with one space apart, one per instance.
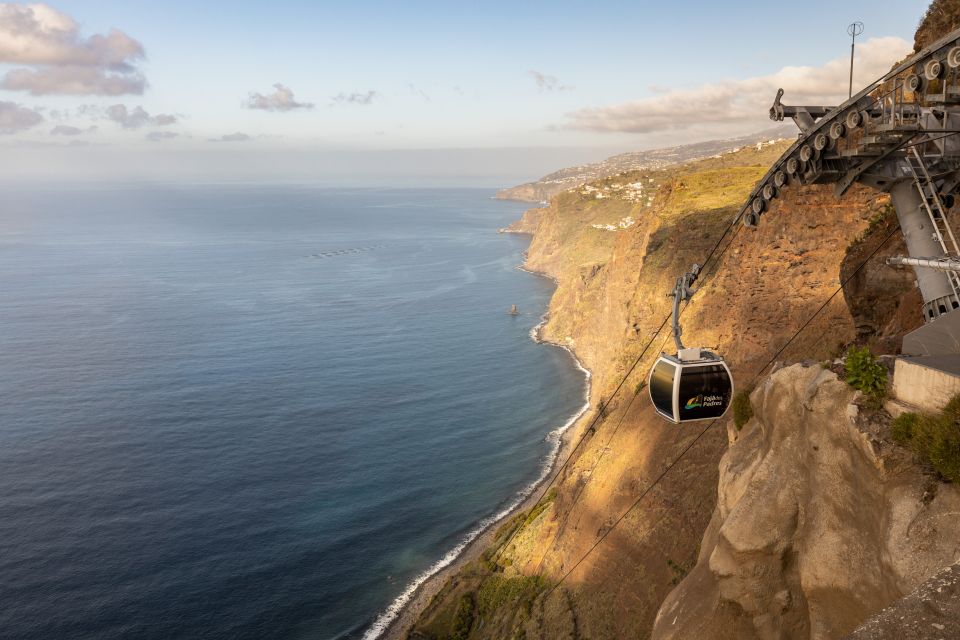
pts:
pixel 696 383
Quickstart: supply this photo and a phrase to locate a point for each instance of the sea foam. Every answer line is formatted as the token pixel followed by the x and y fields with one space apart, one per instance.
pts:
pixel 554 437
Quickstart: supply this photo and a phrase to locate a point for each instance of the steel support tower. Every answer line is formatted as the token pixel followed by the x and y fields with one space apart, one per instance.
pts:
pixel 900 135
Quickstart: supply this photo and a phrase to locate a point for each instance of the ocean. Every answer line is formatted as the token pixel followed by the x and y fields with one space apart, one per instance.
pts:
pixel 258 411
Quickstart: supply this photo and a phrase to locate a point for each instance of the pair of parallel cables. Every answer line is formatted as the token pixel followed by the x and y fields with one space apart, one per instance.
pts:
pixel 601 410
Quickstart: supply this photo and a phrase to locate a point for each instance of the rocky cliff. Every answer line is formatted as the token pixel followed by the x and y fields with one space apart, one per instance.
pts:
pixel 809 522
pixel 940 18
pixel 932 610
pixel 615 256
pixel 820 520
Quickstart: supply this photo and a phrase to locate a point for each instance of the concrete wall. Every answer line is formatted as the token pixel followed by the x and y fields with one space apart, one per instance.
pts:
pixel 927 383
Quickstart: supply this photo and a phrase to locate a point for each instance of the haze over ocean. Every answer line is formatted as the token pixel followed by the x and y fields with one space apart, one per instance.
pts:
pixel 232 412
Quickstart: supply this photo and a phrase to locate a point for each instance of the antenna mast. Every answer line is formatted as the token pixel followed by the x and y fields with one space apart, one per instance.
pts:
pixel 855 29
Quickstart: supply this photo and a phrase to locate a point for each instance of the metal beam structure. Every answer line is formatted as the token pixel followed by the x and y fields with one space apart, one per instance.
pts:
pixel 900 134
pixel 941 264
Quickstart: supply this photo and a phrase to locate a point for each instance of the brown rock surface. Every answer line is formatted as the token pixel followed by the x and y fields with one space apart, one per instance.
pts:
pixel 884 301
pixel 940 18
pixel 929 612
pixel 609 302
pixel 820 521
pixel 817 521
pixel 526 224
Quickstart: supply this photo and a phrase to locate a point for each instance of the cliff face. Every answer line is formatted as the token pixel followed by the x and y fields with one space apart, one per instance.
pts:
pixel 930 610
pixel 526 224
pixel 808 522
pixel 883 301
pixel 942 17
pixel 615 258
pixel 820 521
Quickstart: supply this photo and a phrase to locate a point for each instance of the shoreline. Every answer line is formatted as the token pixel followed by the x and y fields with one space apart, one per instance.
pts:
pixel 396 620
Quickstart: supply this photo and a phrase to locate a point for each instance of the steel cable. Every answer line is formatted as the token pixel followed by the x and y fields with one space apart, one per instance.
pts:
pixel 686 449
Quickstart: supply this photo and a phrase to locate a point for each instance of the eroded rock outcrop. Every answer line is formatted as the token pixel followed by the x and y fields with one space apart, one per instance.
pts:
pixel 932 610
pixel 820 521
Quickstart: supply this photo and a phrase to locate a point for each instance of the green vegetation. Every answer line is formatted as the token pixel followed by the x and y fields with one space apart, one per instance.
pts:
pixel 603 408
pixel 512 528
pixel 507 529
pixel 504 533
pixel 541 506
pixel 866 374
pixel 935 439
pixel 883 215
pixel 519 592
pixel 679 572
pixel 463 618
pixel 711 189
pixel 742 408
pixel 903 426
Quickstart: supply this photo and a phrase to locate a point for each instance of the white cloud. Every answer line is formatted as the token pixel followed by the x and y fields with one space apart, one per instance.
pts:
pixel 741 102
pixel 39 34
pixel 357 97
pixel 72 80
pixel 280 100
pixel 14 118
pixel 62 61
pixel 65 130
pixel 137 117
pixel 160 136
pixel 547 82
pixel 232 137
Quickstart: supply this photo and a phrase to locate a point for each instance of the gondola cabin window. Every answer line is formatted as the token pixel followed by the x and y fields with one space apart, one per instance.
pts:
pixel 704 392
pixel 661 387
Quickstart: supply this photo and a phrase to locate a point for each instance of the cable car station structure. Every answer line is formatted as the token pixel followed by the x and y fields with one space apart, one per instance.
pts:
pixel 898 135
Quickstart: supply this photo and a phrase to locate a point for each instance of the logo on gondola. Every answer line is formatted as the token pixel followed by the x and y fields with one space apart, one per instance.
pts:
pixel 703 401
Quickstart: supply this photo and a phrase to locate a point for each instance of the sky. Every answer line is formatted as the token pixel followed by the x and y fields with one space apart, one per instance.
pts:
pixel 405 92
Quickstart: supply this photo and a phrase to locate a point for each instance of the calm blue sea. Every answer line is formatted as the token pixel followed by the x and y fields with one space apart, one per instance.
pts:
pixel 257 412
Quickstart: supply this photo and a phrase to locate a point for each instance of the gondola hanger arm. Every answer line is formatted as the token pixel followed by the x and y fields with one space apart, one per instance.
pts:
pixel 682 291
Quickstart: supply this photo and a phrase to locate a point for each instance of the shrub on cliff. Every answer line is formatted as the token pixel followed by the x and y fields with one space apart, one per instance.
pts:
pixel 742 408
pixel 939 440
pixel 935 439
pixel 518 592
pixel 865 373
pixel 902 427
pixel 463 618
pixel 541 506
pixel 952 408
